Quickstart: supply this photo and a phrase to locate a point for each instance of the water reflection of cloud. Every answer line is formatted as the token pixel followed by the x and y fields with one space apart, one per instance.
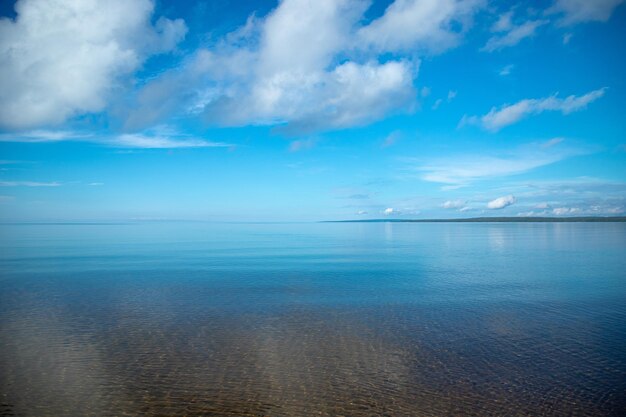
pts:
pixel 497 235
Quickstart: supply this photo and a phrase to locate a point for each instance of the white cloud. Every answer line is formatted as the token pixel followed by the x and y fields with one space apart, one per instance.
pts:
pixel 584 209
pixel 497 118
pixel 454 204
pixel 506 70
pixel 63 58
pixel 28 184
pixel 44 136
pixel 357 94
pixel 361 213
pixel 567 37
pixel 504 22
pixel 159 137
pixel 459 171
pixel 578 11
pixel 562 211
pixel 146 141
pixel 351 94
pixel 429 25
pixel 581 187
pixel 577 196
pixel 307 66
pixel 389 211
pixel 451 95
pixel 501 202
pixel 303 36
pixel 302 144
pixel 391 139
pixel 552 142
pixel 514 35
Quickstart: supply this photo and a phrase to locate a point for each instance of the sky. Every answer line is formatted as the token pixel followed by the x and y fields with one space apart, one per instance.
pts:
pixel 305 110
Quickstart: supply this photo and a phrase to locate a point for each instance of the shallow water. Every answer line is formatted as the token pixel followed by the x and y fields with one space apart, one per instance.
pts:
pixel 354 319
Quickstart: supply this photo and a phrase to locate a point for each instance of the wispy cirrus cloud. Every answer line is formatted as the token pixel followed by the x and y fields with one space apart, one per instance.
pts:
pixel 351 193
pixel 509 33
pixel 391 139
pixel 159 137
pixel 35 136
pixel 29 184
pixel 11 162
pixel 461 170
pixel 302 144
pixel 578 11
pixel 144 141
pixel 508 114
pixel 506 70
pixel 579 187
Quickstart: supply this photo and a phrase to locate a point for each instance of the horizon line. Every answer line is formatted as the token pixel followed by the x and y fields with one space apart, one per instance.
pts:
pixel 486 219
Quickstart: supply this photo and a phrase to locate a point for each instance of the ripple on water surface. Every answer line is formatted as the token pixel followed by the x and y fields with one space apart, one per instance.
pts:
pixel 408 335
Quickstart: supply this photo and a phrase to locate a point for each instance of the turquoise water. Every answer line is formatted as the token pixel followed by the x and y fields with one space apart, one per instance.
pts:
pixel 351 319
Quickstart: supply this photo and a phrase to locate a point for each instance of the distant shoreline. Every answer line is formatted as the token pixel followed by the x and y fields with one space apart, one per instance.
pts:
pixel 590 219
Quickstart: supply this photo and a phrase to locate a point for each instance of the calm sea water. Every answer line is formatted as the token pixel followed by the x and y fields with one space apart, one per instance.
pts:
pixel 353 319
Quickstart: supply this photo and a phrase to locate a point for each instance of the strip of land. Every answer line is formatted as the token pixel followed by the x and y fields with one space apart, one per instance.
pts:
pixel 589 219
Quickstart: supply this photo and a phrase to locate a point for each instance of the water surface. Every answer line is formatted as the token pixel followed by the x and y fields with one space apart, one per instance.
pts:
pixel 353 319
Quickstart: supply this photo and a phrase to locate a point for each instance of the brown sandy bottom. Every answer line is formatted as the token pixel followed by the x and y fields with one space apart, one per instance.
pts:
pixel 388 361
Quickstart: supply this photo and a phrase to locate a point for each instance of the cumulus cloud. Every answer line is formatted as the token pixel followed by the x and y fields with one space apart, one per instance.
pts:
pixel 578 11
pixel 580 196
pixel 307 66
pixel 63 58
pixel 430 25
pixel 508 114
pixel 501 202
pixel 585 210
pixel 454 204
pixel 348 95
pixel 562 211
pixel 389 211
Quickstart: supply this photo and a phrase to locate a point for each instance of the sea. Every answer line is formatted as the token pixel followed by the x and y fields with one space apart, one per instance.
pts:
pixel 313 319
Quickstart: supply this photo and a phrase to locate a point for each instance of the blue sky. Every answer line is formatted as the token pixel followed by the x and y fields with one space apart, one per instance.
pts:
pixel 311 110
